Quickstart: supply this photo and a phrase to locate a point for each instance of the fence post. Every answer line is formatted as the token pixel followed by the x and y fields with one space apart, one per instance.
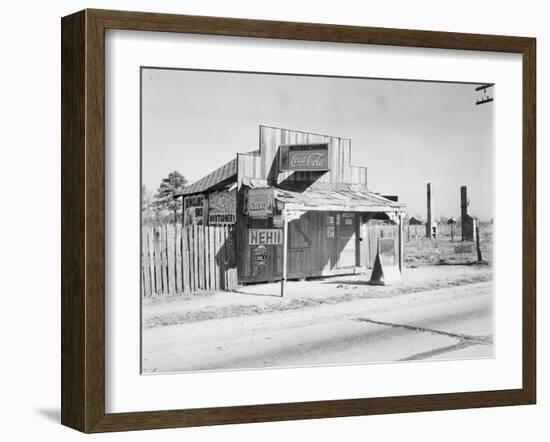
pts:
pixel 179 285
pixel 479 257
pixel 146 281
pixel 171 258
pixel 185 259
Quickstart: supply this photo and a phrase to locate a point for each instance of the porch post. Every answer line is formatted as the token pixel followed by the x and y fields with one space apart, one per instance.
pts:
pixel 285 253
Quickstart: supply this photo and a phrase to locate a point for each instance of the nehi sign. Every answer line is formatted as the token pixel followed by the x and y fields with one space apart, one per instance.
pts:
pixel 265 236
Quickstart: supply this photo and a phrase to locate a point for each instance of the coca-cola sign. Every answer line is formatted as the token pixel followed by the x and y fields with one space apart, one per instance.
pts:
pixel 304 157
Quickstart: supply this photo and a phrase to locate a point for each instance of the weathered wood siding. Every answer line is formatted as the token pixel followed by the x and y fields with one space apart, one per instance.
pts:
pixel 310 251
pixel 264 164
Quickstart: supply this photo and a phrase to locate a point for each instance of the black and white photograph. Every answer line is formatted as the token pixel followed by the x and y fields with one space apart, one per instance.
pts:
pixel 300 220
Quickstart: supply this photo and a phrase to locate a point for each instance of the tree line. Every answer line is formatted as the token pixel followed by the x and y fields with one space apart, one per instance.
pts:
pixel 161 207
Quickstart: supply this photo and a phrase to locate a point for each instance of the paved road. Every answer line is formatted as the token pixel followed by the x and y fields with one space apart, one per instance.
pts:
pixel 449 323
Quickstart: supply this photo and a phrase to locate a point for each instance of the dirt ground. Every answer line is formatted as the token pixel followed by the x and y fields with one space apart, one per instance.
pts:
pixel 264 298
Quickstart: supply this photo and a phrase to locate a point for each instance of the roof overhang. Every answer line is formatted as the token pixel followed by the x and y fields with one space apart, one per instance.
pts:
pixel 350 200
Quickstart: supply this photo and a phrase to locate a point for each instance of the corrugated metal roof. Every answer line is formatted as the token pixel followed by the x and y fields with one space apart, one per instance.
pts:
pixel 213 179
pixel 350 199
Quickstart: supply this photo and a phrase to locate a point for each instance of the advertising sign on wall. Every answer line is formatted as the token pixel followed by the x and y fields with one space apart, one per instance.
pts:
pixel 304 157
pixel 260 256
pixel 259 203
pixel 265 236
pixel 194 208
pixel 222 207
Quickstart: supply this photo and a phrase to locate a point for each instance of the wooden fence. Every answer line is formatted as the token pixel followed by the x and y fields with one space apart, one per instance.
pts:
pixel 179 259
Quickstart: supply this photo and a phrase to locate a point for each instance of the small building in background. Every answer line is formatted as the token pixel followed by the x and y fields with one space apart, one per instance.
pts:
pixel 414 222
pixel 451 222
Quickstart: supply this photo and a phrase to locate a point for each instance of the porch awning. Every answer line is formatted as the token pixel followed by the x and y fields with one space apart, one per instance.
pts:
pixel 344 200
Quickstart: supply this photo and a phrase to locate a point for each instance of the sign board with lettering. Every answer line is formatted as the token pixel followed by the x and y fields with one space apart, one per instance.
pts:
pixel 194 208
pixel 222 207
pixel 304 157
pixel 265 237
pixel 260 256
pixel 259 203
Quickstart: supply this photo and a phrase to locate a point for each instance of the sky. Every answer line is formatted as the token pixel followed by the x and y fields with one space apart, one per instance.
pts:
pixel 407 133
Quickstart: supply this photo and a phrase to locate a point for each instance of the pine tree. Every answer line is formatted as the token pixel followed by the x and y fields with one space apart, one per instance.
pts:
pixel 164 203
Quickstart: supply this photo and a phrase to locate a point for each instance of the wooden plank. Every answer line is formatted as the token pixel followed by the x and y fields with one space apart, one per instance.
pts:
pixel 143 261
pixel 232 258
pixel 146 280
pixel 228 258
pixel 207 257
pixel 185 262
pixel 200 232
pixel 158 261
pixel 171 258
pixel 151 250
pixel 218 236
pixel 191 262
pixel 179 285
pixel 357 225
pixel 285 259
pixel 211 256
pixel 189 235
pixel 223 270
pixel 164 260
pixel 193 258
pixel 194 245
pixel 206 279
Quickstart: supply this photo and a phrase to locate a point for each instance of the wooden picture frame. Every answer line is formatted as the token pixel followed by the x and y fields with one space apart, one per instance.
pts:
pixel 83 220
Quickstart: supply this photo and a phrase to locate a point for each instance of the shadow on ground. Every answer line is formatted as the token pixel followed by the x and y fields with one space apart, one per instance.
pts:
pixel 51 414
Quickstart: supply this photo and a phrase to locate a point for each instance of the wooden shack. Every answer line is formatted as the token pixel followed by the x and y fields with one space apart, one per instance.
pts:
pixel 296 207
